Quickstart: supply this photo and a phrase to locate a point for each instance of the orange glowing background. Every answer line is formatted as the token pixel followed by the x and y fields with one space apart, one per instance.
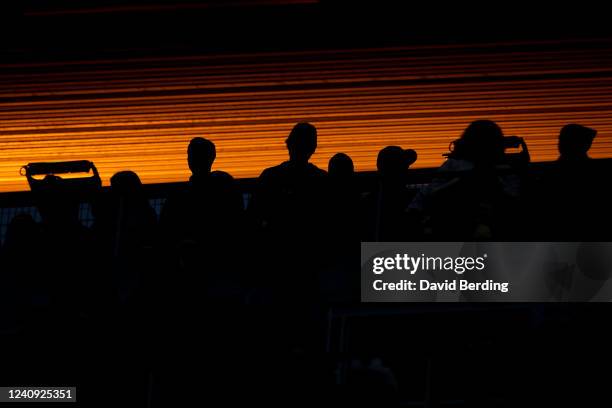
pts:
pixel 139 114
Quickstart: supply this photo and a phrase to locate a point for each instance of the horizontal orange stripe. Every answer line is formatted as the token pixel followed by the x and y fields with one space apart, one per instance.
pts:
pixel 140 114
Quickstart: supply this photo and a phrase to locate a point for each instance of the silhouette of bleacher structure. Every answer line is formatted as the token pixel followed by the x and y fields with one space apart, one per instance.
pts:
pixel 248 290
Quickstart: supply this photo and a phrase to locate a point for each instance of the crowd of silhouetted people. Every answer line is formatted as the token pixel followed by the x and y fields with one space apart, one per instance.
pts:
pixel 293 246
pixel 302 226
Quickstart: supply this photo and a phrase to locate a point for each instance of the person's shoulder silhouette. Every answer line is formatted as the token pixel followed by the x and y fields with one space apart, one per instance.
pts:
pixel 574 164
pixel 574 143
pixel 471 198
pixel 301 145
pixel 291 195
pixel 571 203
pixel 214 191
pixel 201 154
pixel 134 206
pixel 481 145
pixel 384 208
pixel 393 162
pixel 343 197
pixel 209 202
pixel 296 177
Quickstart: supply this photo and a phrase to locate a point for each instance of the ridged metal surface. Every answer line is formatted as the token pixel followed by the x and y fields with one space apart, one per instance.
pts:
pixel 140 113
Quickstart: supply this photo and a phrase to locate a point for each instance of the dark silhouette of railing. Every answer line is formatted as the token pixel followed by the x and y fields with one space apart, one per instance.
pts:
pixel 14 203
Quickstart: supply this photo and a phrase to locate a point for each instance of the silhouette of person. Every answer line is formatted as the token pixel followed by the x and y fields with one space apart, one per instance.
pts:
pixel 290 205
pixel 126 228
pixel 57 203
pixel 343 199
pixel 132 217
pixel 471 199
pixel 393 162
pixel 575 142
pixel 70 250
pixel 201 155
pixel 385 209
pixel 210 204
pixel 289 196
pixel 341 167
pixel 202 223
pixel 337 281
pixel 570 201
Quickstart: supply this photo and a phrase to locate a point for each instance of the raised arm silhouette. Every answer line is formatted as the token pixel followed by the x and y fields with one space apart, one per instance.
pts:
pixel 472 198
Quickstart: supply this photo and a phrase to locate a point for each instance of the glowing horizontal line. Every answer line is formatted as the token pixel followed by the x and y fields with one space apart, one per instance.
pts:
pixel 142 117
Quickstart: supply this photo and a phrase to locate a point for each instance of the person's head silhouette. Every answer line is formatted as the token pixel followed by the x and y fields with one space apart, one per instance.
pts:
pixel 340 166
pixel 57 202
pixel 201 154
pixel 301 142
pixel 393 161
pixel 482 142
pixel 575 141
pixel 126 183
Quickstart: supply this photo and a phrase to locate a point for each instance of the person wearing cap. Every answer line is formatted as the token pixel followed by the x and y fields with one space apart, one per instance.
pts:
pixel 384 209
pixel 393 162
pixel 575 141
pixel 571 202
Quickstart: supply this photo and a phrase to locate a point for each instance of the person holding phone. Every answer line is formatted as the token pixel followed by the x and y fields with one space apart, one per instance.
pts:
pixel 477 190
